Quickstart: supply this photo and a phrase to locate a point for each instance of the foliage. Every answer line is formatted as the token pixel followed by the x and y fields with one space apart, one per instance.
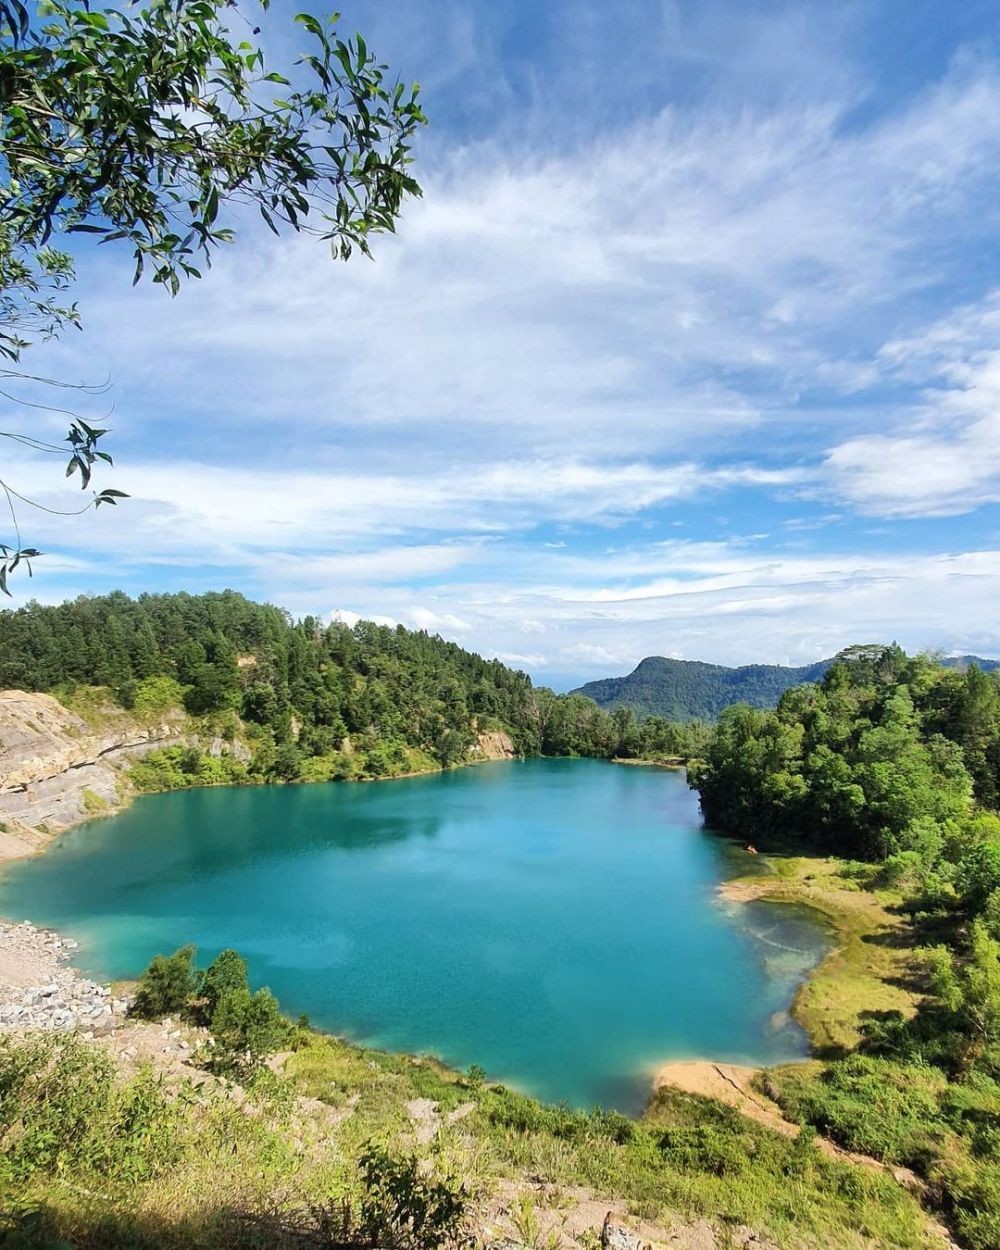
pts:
pixel 150 126
pixel 402 1208
pixel 684 690
pixel 167 986
pixel 61 1110
pixel 177 768
pixel 246 1028
pixel 870 763
pixel 201 1171
pixel 909 1113
pixel 226 974
pixel 895 760
pixel 320 702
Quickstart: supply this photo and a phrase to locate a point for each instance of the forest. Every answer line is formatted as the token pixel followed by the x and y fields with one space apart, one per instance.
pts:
pixel 892 764
pixel 314 700
pixel 684 690
pixel 691 690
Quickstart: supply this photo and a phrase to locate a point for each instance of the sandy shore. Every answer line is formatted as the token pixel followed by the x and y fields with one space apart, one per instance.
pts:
pixel 725 1082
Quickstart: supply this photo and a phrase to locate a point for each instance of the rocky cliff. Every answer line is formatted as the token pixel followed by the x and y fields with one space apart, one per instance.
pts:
pixel 493 746
pixel 56 769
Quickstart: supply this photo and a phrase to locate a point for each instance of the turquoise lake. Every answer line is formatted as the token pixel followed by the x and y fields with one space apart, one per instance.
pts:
pixel 555 921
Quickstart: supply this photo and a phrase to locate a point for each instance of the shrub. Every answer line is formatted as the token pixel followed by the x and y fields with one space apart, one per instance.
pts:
pixel 875 1106
pixel 247 1028
pixel 154 696
pixel 167 986
pixel 404 1209
pixel 226 974
pixel 62 1110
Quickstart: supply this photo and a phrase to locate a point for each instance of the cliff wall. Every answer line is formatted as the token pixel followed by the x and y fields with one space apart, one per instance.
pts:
pixel 56 769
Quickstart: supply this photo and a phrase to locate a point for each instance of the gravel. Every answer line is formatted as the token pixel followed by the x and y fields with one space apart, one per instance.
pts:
pixel 39 991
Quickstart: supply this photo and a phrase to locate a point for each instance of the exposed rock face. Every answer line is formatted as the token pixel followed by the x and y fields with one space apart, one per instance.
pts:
pixel 493 746
pixel 55 770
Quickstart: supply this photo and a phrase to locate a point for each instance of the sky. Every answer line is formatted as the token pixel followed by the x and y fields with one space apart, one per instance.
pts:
pixel 690 348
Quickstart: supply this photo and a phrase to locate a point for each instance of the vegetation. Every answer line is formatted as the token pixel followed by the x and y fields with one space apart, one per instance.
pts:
pixel 312 701
pixel 893 763
pixel 685 690
pixel 246 1026
pixel 142 126
pixel 95 1157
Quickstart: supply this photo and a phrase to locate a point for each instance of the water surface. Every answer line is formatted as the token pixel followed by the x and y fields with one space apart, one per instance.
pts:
pixel 555 921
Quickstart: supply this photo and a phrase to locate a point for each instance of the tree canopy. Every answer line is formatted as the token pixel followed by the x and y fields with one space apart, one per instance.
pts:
pixel 319 700
pixel 150 127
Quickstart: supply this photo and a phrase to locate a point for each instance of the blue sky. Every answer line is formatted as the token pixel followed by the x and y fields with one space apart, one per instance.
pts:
pixel 691 348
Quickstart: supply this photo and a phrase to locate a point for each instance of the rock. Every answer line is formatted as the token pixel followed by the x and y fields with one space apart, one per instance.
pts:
pixel 616 1237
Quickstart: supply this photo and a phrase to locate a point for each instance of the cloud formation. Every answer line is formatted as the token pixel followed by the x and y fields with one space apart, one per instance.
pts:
pixel 747 297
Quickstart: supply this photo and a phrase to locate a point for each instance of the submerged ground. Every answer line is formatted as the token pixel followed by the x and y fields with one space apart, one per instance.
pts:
pixel 553 920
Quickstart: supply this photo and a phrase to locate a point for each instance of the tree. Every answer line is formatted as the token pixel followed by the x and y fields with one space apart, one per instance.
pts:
pixel 226 974
pixel 167 986
pixel 143 127
pixel 247 1028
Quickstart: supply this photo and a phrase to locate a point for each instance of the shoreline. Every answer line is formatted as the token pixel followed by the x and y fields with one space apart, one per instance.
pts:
pixel 800 881
pixel 672 764
pixel 854 975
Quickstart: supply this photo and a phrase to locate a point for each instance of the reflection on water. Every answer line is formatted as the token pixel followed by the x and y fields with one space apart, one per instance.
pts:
pixel 553 920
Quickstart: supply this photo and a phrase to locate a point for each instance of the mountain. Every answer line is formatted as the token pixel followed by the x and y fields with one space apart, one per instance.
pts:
pixel 692 690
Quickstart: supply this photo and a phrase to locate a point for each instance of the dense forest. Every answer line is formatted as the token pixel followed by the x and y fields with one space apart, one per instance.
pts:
pixel 315 700
pixel 683 690
pixel 690 690
pixel 893 763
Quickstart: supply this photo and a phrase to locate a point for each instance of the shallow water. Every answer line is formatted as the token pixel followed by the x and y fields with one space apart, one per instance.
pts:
pixel 555 921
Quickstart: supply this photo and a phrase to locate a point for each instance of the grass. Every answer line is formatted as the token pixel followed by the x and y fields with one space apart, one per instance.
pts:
pixel 95 1158
pixel 870 968
pixel 686 1155
pixel 95 705
pixel 93 804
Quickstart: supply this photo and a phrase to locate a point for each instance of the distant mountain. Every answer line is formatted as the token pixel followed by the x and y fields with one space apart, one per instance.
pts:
pixel 691 690
pixel 963 661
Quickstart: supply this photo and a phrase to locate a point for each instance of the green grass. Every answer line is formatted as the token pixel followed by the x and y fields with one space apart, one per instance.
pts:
pixel 93 804
pixel 686 1155
pixel 870 968
pixel 911 1114
pixel 95 1158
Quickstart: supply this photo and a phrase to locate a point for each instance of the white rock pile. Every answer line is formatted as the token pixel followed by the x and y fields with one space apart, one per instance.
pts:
pixel 38 990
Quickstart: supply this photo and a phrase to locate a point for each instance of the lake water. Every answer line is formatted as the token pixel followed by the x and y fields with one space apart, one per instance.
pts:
pixel 555 921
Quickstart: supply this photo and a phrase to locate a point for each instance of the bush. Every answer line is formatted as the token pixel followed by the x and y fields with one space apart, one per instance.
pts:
pixel 406 1210
pixel 167 986
pixel 247 1028
pixel 153 696
pixel 226 974
pixel 875 1106
pixel 62 1110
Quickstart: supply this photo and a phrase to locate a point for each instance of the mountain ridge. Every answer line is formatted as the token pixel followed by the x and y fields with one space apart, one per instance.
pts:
pixel 699 690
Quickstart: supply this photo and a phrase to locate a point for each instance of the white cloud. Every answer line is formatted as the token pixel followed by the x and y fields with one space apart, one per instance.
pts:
pixel 683 277
pixel 946 458
pixel 598 615
pixel 585 330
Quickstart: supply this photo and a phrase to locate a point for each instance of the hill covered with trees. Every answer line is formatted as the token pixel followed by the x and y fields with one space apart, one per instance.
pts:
pixel 313 700
pixel 892 763
pixel 691 690
pixel 684 690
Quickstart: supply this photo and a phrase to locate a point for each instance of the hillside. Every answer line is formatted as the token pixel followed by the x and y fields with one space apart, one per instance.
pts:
pixel 216 688
pixel 684 690
pixel 692 690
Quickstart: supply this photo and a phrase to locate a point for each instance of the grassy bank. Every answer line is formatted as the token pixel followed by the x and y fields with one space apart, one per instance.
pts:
pixel 94 1156
pixel 870 968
